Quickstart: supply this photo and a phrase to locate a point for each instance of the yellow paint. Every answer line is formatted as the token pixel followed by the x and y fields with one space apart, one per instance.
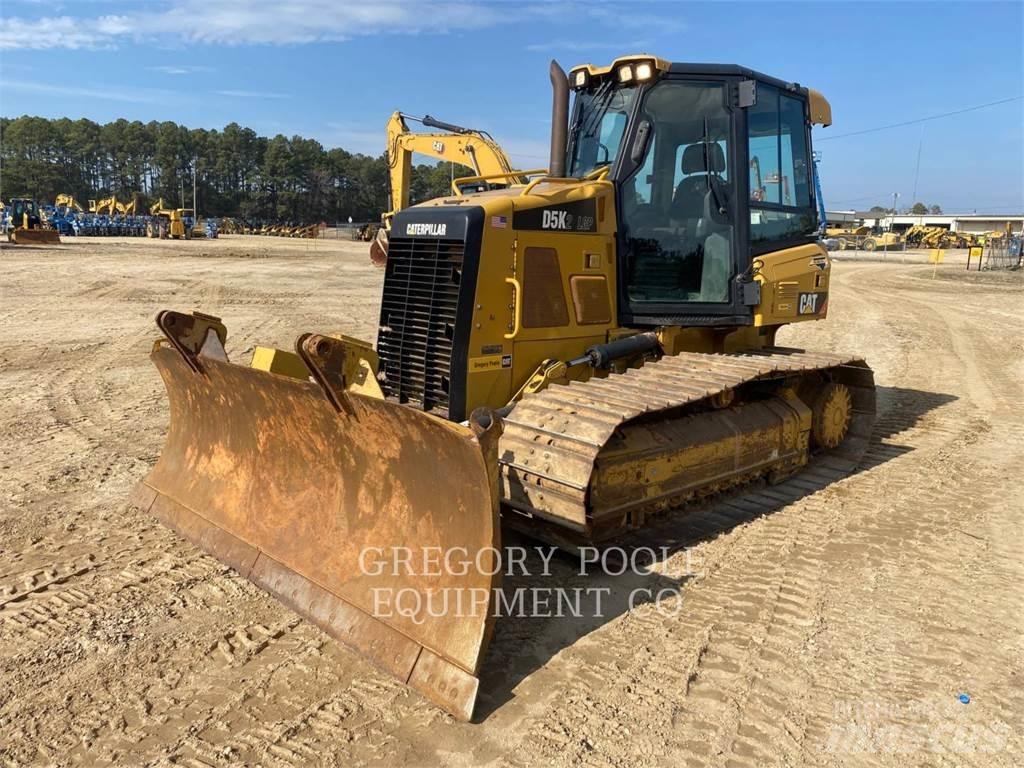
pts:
pixel 496 311
pixel 280 362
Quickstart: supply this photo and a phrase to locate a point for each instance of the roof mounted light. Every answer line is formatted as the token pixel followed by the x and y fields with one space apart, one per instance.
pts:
pixel 625 73
pixel 580 78
pixel 644 71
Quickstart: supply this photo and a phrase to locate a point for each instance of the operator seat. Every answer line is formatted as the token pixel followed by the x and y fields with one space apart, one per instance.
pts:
pixel 688 200
pixel 696 203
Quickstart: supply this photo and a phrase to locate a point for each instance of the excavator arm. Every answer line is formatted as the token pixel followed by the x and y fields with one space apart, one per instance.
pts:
pixel 68 202
pixel 465 146
pixel 471 148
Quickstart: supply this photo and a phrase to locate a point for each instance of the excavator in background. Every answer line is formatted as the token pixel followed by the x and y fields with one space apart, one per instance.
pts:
pixel 111 206
pixel 27 225
pixel 175 223
pixel 468 147
pixel 67 203
pixel 108 206
pixel 569 357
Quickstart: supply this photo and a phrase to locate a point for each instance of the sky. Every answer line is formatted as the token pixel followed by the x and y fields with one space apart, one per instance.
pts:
pixel 334 70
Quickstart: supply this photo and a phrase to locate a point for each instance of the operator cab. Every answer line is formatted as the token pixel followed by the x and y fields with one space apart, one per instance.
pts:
pixel 712 165
pixel 22 207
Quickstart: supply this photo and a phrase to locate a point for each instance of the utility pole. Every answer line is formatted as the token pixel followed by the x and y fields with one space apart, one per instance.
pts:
pixel 195 206
pixel 892 221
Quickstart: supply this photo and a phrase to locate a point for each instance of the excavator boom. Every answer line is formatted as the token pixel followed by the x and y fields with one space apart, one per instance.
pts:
pixel 468 147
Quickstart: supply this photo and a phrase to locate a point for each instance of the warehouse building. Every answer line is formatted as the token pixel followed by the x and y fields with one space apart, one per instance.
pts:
pixel 969 223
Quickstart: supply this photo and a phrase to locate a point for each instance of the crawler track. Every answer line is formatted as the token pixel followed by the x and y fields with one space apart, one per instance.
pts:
pixel 558 443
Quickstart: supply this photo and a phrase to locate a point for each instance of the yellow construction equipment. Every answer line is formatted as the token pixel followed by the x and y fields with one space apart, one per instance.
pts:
pixel 68 203
pixel 27 225
pixel 920 236
pixel 866 238
pixel 576 354
pixel 108 206
pixel 170 222
pixel 468 147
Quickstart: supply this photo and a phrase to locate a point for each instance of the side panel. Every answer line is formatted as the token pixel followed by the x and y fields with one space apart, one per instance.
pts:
pixel 794 285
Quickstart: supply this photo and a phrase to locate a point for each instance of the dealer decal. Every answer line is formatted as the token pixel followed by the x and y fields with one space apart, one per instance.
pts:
pixel 489 363
pixel 812 303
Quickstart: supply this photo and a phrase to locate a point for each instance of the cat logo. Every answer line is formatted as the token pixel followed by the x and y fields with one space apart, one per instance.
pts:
pixel 439 147
pixel 812 303
pixel 420 229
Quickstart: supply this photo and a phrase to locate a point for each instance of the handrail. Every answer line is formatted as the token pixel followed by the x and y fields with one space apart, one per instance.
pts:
pixel 595 175
pixel 490 176
pixel 517 307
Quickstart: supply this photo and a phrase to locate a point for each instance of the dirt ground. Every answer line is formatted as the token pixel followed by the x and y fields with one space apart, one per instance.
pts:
pixel 833 626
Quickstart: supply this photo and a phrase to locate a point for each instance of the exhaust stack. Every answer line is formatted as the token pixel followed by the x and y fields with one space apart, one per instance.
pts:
pixel 559 119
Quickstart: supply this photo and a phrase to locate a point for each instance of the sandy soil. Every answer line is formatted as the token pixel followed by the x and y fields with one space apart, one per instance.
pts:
pixel 816 626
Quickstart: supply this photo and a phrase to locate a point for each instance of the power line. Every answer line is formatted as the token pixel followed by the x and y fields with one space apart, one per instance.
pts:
pixel 920 120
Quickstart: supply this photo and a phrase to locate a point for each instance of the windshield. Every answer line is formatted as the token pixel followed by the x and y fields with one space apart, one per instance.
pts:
pixel 598 126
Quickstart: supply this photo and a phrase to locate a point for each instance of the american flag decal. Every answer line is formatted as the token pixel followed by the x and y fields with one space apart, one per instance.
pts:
pixel 499 221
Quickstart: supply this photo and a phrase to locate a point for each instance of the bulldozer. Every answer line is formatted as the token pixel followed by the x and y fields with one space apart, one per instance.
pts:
pixel 27 225
pixel 568 358
pixel 469 147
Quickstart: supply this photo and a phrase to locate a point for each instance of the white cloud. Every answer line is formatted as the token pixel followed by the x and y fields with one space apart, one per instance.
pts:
pixel 285 22
pixel 132 95
pixel 229 22
pixel 625 16
pixel 253 94
pixel 180 69
pixel 58 32
pixel 578 46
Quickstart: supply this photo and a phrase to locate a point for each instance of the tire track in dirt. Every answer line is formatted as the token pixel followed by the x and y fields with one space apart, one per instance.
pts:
pixel 894 585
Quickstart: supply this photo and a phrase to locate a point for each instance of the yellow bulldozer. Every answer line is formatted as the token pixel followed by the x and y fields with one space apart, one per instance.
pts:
pixel 27 225
pixel 569 358
pixel 469 147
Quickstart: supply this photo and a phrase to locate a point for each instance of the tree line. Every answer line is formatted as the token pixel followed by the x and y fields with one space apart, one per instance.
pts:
pixel 237 172
pixel 918 209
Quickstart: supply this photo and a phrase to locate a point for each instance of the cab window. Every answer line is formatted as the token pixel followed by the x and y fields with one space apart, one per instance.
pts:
pixel 675 205
pixel 781 205
pixel 599 125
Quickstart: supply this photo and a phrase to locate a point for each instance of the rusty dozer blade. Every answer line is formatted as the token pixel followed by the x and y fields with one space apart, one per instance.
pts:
pixel 374 521
pixel 379 248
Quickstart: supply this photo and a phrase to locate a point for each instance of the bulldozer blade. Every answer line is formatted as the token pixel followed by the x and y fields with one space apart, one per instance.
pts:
pixel 349 515
pixel 23 236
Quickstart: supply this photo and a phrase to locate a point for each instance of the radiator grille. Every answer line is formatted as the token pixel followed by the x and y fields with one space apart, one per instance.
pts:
pixel 418 311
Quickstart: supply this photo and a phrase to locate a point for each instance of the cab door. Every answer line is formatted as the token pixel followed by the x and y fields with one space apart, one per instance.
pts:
pixel 680 230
